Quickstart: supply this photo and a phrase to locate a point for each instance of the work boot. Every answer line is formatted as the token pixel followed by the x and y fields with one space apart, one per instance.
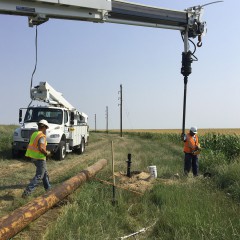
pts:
pixel 48 189
pixel 25 194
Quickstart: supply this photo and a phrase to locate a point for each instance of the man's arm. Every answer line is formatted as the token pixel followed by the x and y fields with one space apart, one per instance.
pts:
pixel 42 147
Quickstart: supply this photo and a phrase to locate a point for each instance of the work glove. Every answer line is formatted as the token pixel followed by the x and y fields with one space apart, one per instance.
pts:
pixel 183 137
pixel 48 154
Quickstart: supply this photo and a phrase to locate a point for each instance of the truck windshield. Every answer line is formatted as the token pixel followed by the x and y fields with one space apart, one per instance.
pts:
pixel 51 115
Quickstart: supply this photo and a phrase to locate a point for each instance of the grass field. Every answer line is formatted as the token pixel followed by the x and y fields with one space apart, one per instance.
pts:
pixel 179 131
pixel 171 207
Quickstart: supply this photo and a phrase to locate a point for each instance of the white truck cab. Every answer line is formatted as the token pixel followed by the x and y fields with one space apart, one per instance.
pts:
pixel 68 128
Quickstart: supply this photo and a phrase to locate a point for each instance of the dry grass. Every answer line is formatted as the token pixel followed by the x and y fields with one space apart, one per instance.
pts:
pixel 179 131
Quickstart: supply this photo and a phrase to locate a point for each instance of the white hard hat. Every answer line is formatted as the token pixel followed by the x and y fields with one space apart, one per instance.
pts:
pixel 43 122
pixel 193 129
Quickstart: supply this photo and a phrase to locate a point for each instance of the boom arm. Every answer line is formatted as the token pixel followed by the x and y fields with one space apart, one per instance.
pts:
pixel 116 11
pixel 44 92
pixel 113 11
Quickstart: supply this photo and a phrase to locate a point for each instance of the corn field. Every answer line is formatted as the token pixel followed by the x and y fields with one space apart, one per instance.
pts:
pixel 220 156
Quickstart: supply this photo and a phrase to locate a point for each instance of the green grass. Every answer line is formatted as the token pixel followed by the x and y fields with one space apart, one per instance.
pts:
pixel 184 209
pixel 6 137
pixel 192 211
pixel 181 209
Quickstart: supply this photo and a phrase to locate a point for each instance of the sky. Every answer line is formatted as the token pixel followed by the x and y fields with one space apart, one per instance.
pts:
pixel 88 62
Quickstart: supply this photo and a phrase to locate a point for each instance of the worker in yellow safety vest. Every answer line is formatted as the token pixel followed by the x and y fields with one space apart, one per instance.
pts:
pixel 37 152
pixel 191 150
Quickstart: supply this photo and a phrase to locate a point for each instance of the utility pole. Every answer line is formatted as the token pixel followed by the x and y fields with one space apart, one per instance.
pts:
pixel 120 98
pixel 107 119
pixel 95 122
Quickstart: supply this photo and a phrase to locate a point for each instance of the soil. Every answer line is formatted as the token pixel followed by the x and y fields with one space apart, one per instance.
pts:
pixel 139 182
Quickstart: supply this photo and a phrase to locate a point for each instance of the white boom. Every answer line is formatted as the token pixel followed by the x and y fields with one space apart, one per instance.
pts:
pixel 114 11
pixel 44 92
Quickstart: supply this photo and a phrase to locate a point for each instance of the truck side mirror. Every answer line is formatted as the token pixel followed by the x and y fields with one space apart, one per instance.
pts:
pixel 20 116
pixel 72 118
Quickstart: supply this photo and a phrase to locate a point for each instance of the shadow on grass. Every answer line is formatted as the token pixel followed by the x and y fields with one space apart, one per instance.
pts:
pixel 16 186
pixel 6 154
pixel 7 198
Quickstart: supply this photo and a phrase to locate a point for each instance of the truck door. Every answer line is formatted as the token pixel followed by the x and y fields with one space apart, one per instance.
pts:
pixel 66 123
pixel 75 132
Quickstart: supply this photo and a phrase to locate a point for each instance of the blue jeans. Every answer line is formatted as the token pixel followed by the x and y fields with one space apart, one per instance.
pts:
pixel 41 175
pixel 191 161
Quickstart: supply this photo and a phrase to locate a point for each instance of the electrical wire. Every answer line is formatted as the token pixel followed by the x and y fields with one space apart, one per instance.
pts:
pixel 195 58
pixel 36 58
pixel 195 48
pixel 193 45
pixel 127 115
pixel 211 3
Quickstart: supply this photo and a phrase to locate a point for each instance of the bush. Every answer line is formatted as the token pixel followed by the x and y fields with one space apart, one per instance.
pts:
pixel 210 160
pixel 228 178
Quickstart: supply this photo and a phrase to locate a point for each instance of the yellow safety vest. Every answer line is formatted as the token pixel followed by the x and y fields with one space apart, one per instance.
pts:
pixel 33 150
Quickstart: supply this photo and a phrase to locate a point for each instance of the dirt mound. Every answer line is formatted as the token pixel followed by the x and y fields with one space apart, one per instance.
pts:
pixel 138 182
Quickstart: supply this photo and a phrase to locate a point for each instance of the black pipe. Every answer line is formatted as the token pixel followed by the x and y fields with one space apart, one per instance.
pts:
pixel 114 195
pixel 184 104
pixel 186 70
pixel 129 165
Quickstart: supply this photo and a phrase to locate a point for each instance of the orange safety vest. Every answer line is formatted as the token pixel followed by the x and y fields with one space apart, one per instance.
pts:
pixel 33 150
pixel 190 145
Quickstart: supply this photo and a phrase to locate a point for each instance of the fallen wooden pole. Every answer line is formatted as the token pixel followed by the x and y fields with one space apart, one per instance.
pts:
pixel 13 223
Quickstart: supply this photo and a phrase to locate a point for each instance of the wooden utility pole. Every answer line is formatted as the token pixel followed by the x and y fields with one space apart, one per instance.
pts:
pixel 113 176
pixel 120 98
pixel 13 223
pixel 107 119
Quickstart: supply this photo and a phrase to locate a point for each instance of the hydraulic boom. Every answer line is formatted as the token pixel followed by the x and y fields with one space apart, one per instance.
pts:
pixel 116 11
pixel 46 93
pixel 113 11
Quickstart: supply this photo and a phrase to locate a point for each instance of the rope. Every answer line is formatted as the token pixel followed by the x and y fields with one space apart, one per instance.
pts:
pixel 138 232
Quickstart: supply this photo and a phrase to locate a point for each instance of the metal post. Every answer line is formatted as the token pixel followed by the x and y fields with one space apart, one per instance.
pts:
pixel 129 165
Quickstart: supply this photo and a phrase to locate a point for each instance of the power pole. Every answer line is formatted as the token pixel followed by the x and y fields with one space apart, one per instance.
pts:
pixel 95 122
pixel 120 98
pixel 107 119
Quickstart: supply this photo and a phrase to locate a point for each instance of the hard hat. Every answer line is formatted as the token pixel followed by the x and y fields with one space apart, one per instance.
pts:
pixel 43 122
pixel 193 129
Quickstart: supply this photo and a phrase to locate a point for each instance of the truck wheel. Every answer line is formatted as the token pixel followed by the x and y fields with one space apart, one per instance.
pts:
pixel 15 153
pixel 81 149
pixel 61 152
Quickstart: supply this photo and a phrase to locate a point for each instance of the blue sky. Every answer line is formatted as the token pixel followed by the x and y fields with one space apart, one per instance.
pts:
pixel 87 62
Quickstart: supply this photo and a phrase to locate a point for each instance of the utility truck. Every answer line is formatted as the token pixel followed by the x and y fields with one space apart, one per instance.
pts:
pixel 68 128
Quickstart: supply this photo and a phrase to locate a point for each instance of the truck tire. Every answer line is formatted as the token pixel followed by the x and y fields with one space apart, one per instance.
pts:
pixel 81 148
pixel 15 153
pixel 61 152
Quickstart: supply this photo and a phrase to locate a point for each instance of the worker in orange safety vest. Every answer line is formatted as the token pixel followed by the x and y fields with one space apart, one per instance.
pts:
pixel 37 152
pixel 191 150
